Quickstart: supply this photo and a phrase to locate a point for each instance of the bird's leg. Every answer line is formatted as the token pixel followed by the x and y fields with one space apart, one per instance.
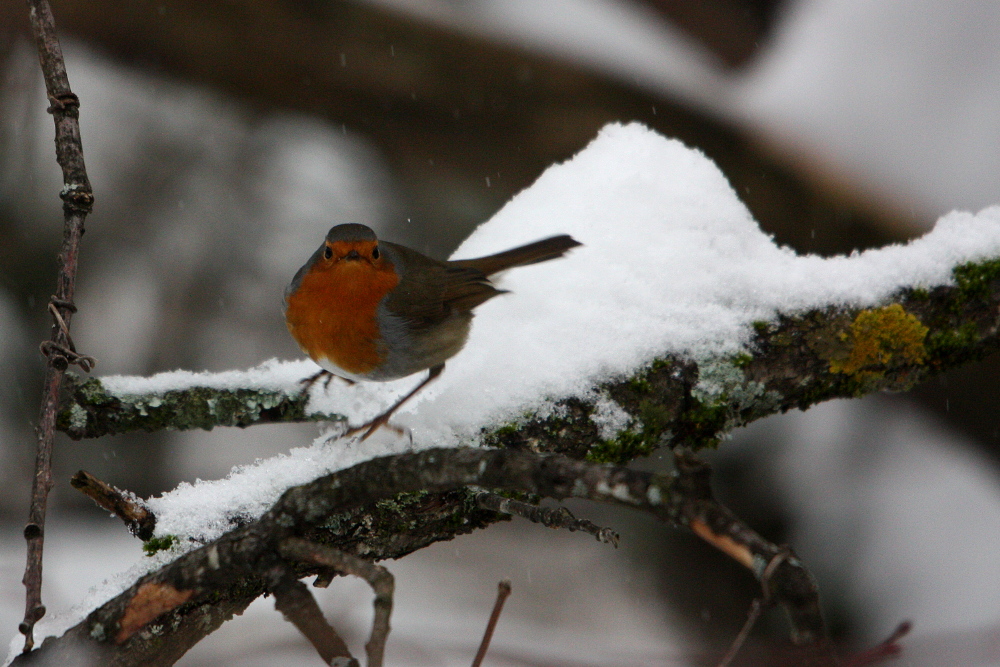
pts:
pixel 383 418
pixel 326 384
pixel 308 382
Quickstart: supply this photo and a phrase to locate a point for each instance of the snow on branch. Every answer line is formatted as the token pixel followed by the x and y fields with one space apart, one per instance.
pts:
pixel 676 320
pixel 206 401
pixel 164 612
pixel 792 361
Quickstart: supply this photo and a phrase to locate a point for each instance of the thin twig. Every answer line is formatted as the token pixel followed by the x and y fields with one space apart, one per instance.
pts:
pixel 889 648
pixel 68 351
pixel 78 200
pixel 503 592
pixel 757 606
pixel 755 610
pixel 125 505
pixel 293 599
pixel 379 578
pixel 559 517
pixel 781 574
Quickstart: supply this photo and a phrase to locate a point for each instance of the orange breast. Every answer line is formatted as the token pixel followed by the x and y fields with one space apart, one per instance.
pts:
pixel 333 313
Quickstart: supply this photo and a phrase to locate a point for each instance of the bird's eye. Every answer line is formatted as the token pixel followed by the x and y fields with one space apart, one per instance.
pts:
pixel 327 252
pixel 375 253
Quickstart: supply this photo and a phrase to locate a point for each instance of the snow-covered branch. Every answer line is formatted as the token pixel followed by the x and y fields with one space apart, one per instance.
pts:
pixel 163 613
pixel 793 361
pixel 93 411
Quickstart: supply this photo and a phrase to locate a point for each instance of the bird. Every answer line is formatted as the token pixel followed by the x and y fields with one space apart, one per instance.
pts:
pixel 370 310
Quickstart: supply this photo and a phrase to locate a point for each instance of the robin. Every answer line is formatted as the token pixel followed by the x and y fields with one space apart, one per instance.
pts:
pixel 365 309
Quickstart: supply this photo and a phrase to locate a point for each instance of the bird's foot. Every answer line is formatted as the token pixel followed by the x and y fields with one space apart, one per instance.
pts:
pixel 374 425
pixel 308 382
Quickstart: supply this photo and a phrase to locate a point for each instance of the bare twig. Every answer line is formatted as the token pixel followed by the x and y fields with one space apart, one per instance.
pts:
pixel 756 607
pixel 125 505
pixel 559 517
pixel 379 578
pixel 889 648
pixel 503 592
pixel 293 599
pixel 782 576
pixel 67 351
pixel 78 200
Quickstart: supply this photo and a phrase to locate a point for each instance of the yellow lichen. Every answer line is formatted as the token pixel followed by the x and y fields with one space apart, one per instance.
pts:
pixel 879 338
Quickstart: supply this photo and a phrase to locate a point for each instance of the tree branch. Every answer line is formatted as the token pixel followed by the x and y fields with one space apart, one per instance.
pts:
pixel 123 504
pixel 795 361
pixel 379 578
pixel 549 517
pixel 132 628
pixel 293 599
pixel 93 411
pixel 503 592
pixel 78 200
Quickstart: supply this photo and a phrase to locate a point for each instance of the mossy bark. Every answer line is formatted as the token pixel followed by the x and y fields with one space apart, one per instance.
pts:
pixel 386 508
pixel 92 411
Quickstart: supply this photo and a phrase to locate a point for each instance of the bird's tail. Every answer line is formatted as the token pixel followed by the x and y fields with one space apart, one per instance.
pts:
pixel 539 251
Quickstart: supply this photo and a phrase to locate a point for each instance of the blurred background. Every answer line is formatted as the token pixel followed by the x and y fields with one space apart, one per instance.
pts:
pixel 224 138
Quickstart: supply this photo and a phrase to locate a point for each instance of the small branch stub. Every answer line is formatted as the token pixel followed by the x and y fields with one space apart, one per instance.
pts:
pixel 140 521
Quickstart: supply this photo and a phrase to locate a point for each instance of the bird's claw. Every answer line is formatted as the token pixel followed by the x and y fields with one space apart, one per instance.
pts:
pixel 370 427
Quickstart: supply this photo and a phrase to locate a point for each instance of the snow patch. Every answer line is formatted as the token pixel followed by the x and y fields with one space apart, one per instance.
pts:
pixel 610 418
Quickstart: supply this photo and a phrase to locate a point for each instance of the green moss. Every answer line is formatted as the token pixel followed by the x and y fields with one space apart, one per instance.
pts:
pixel 920 294
pixel 703 418
pixel 155 544
pixel 947 342
pixel 640 385
pixel 974 279
pixel 742 360
pixel 402 502
pixel 76 418
pixel 761 326
pixel 506 431
pixel 655 417
pixel 878 339
pixel 626 446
